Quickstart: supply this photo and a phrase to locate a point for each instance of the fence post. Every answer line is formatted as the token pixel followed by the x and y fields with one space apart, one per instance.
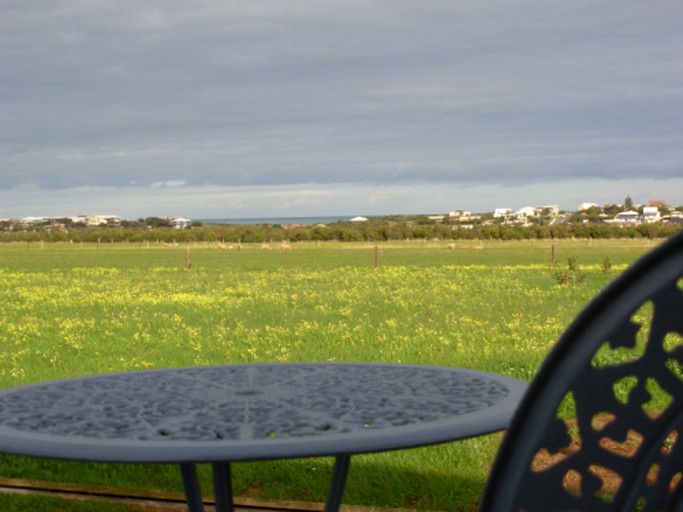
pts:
pixel 376 255
pixel 187 258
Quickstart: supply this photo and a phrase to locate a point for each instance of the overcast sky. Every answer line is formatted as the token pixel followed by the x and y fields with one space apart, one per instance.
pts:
pixel 293 108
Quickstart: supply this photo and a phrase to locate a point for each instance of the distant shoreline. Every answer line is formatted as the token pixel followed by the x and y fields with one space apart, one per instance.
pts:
pixel 279 220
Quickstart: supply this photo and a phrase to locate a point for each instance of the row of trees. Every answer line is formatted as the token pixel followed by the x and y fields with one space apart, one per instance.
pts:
pixel 381 229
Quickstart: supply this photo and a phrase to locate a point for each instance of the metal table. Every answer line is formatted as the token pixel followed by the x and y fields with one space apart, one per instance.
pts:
pixel 224 414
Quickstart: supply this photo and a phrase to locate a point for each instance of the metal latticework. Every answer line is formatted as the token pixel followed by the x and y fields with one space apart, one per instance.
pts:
pixel 247 403
pixel 253 411
pixel 601 427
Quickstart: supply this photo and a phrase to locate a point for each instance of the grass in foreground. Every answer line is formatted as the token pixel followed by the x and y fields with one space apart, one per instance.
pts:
pixel 72 310
pixel 19 503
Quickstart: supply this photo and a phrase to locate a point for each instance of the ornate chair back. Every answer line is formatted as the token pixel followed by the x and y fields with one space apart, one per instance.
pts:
pixel 601 426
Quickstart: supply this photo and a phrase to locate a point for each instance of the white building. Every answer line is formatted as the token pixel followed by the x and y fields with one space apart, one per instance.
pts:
pixel 33 220
pixel 459 213
pixel 181 222
pixel 627 217
pixel 107 220
pixel 552 210
pixel 651 214
pixel 527 211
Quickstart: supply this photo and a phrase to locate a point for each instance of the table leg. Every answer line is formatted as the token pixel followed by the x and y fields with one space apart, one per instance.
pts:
pixel 341 470
pixel 193 494
pixel 222 487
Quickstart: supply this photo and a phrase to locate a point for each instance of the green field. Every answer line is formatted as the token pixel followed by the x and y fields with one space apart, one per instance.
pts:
pixel 77 309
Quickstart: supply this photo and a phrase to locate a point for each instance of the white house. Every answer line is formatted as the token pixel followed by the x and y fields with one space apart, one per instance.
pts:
pixel 552 210
pixel 457 214
pixel 181 222
pixel 527 211
pixel 627 217
pixel 359 219
pixel 651 214
pixel 501 212
pixel 33 220
pixel 79 219
pixel 109 220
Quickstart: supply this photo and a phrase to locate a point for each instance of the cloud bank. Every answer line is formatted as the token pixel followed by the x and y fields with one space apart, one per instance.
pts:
pixel 185 104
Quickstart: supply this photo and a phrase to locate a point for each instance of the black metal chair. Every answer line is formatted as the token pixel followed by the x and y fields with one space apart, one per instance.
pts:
pixel 601 426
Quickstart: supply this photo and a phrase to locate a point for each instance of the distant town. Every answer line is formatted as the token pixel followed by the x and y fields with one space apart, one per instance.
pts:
pixel 626 213
pixel 589 220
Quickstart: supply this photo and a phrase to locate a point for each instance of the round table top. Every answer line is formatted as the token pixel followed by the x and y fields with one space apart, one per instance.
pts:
pixel 253 411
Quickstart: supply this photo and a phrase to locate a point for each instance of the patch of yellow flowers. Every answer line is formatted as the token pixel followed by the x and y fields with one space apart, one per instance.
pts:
pixel 60 323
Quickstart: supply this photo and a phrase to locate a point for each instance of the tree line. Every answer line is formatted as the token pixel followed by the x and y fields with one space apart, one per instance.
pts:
pixel 374 230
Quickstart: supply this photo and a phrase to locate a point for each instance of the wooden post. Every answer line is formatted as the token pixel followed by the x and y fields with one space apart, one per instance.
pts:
pixel 376 256
pixel 552 254
pixel 187 258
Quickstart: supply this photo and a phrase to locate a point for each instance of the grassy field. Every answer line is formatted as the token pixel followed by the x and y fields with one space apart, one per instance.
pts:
pixel 72 309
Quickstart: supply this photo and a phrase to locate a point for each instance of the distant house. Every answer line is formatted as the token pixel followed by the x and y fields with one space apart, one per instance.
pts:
pixel 180 222
pixel 359 219
pixel 551 210
pixel 651 214
pixel 627 217
pixel 456 214
pixel 107 220
pixel 527 211
pixel 79 219
pixel 501 212
pixel 29 221
pixel 673 218
pixel 462 216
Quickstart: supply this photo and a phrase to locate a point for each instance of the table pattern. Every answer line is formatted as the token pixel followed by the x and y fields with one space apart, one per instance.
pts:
pixel 246 402
pixel 224 414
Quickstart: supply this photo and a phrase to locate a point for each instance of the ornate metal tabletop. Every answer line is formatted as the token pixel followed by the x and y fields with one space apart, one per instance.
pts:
pixel 250 412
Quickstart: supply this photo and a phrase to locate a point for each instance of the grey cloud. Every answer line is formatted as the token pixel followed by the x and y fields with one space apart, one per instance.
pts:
pixel 241 93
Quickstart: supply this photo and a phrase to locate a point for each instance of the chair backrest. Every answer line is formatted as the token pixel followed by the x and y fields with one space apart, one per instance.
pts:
pixel 601 426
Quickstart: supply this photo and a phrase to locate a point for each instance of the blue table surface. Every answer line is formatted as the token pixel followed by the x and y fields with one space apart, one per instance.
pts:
pixel 253 411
